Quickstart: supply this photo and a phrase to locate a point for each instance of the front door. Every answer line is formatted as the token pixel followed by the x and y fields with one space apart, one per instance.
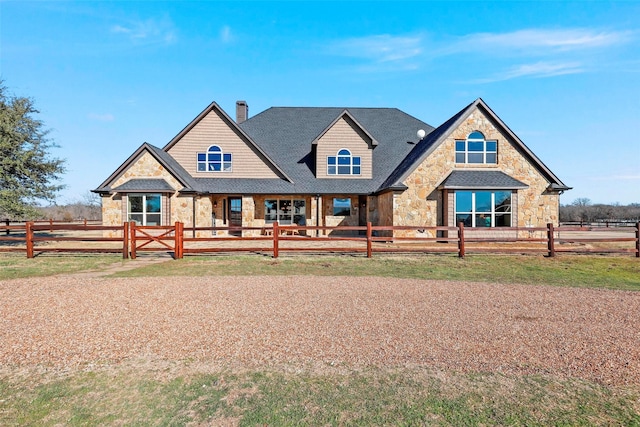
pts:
pixel 235 215
pixel 362 213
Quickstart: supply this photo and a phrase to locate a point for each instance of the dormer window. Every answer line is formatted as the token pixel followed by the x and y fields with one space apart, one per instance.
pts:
pixel 476 149
pixel 343 164
pixel 214 160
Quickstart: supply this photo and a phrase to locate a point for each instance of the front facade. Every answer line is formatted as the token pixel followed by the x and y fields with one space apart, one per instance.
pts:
pixel 335 166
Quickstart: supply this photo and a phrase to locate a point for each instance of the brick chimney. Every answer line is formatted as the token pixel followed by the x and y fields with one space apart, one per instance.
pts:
pixel 242 111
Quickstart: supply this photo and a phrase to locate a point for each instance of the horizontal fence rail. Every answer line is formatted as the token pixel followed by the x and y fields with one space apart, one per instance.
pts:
pixel 130 239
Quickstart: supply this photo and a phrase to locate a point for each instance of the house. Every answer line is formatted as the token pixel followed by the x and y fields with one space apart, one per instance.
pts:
pixel 335 166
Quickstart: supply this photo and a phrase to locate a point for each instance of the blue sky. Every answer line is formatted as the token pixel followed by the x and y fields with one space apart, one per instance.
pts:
pixel 110 75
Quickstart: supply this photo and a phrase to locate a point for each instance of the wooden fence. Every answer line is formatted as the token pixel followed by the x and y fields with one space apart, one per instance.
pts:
pixel 130 239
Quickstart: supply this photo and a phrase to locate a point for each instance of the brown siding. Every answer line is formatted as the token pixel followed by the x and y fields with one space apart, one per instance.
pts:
pixel 214 130
pixel 344 134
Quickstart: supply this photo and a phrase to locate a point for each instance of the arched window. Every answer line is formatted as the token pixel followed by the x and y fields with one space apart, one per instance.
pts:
pixel 343 163
pixel 214 160
pixel 476 149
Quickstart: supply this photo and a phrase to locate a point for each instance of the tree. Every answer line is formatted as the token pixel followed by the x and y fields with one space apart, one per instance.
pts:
pixel 27 171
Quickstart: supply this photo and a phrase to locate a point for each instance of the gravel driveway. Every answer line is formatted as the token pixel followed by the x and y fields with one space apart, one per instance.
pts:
pixel 322 321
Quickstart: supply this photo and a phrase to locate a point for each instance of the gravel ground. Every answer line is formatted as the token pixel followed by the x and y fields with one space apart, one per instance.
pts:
pixel 248 322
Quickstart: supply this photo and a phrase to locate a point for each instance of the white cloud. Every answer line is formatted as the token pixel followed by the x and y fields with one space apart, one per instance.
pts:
pixel 150 31
pixel 380 48
pixel 537 70
pixel 225 34
pixel 108 117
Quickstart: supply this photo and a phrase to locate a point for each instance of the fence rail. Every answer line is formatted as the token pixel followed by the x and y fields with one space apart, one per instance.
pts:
pixel 130 239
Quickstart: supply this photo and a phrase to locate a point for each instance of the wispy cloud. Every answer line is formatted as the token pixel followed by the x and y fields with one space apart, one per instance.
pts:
pixel 225 34
pixel 380 48
pixel 108 117
pixel 150 31
pixel 536 70
pixel 538 41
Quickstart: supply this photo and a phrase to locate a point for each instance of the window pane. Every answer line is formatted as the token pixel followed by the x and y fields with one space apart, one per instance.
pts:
pixel 227 166
pixel 153 203
pixel 344 160
pixel 270 211
pixel 331 170
pixel 356 160
pixel 136 217
pixel 464 218
pixel 503 201
pixel 503 220
pixel 459 157
pixel 153 219
pixel 475 135
pixel 341 207
pixel 492 146
pixel 202 167
pixel 215 157
pixel 460 145
pixel 483 220
pixel 227 157
pixel 344 170
pixel 299 215
pixel 476 158
pixel 492 158
pixel 135 204
pixel 463 201
pixel 356 170
pixel 344 153
pixel 331 160
pixel 214 148
pixel 483 201
pixel 202 157
pixel 476 146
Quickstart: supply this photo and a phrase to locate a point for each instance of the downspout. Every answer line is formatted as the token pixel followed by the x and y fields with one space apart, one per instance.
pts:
pixel 193 230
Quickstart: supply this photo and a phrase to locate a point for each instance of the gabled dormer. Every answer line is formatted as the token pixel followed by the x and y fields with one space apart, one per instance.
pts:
pixel 344 150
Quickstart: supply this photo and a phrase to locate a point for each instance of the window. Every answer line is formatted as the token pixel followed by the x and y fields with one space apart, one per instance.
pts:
pixel 145 209
pixel 343 164
pixel 483 208
pixel 214 160
pixel 285 211
pixel 341 207
pixel 475 149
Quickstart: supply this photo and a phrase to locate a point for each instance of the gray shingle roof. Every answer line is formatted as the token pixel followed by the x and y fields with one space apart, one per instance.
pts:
pixel 481 179
pixel 143 185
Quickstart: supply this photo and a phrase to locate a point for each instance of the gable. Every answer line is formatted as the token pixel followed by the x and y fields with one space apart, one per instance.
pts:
pixel 146 168
pixel 214 129
pixel 344 133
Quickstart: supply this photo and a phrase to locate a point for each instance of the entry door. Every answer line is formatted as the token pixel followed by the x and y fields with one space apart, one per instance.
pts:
pixel 235 215
pixel 362 213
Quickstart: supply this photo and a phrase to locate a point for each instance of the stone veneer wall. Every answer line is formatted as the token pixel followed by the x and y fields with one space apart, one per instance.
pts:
pixel 419 204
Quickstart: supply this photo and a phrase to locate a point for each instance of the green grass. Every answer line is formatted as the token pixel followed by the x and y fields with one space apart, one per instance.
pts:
pixel 579 271
pixel 371 397
pixel 14 266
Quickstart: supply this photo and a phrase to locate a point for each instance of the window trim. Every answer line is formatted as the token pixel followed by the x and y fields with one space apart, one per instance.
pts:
pixel 208 163
pixel 291 207
pixel 466 152
pixel 144 212
pixel 333 206
pixel 334 161
pixel 493 213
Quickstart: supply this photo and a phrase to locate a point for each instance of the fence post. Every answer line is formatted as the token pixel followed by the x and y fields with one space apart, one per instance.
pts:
pixel 369 245
pixel 638 239
pixel 276 233
pixel 132 233
pixel 461 250
pixel 125 240
pixel 6 221
pixel 551 247
pixel 51 225
pixel 178 234
pixel 29 238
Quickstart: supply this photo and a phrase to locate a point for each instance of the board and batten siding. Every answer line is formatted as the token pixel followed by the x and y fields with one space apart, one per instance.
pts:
pixel 344 134
pixel 213 130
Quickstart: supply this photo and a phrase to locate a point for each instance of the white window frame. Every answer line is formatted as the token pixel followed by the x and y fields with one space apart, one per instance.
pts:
pixel 144 212
pixel 352 166
pixel 206 165
pixel 295 211
pixel 474 212
pixel 484 151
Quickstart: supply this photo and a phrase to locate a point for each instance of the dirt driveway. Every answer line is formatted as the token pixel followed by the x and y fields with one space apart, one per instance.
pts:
pixel 320 322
